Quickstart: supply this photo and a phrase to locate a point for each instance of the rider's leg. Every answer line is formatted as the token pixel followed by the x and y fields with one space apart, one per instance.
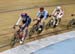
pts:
pixel 25 33
pixel 41 24
pixel 21 31
pixel 54 20
pixel 58 21
pixel 25 30
pixel 36 25
pixel 38 20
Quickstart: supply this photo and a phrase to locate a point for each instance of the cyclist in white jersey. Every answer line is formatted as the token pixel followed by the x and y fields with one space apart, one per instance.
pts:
pixel 57 14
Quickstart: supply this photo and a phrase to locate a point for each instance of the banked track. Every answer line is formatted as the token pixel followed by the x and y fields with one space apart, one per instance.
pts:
pixel 31 47
pixel 27 8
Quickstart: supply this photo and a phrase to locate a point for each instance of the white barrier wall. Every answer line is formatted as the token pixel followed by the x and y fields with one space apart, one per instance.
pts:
pixel 33 46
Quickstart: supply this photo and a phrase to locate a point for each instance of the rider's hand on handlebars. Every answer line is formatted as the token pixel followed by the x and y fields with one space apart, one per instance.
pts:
pixel 14 26
pixel 50 15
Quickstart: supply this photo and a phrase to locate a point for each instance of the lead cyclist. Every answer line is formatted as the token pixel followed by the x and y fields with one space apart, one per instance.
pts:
pixel 25 20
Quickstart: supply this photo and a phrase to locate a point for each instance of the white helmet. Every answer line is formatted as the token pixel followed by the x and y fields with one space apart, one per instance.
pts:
pixel 58 7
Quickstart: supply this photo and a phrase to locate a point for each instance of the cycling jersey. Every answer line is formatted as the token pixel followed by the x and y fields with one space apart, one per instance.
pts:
pixel 43 14
pixel 58 14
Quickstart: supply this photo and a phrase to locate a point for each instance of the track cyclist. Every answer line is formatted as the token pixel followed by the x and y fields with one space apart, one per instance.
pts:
pixel 57 15
pixel 25 20
pixel 42 15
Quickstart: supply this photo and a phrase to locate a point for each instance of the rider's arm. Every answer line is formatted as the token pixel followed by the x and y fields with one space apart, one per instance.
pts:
pixel 38 14
pixel 53 12
pixel 61 13
pixel 18 21
pixel 45 14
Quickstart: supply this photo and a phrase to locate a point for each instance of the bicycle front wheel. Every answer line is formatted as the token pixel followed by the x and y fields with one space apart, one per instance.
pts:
pixel 13 40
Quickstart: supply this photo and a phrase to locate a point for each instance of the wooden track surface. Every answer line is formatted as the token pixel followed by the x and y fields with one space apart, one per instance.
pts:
pixel 8 19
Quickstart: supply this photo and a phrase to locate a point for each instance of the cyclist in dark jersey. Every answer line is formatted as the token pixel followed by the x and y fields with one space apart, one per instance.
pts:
pixel 25 22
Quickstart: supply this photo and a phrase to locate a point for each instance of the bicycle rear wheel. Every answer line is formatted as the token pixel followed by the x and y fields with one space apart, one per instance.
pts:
pixel 49 24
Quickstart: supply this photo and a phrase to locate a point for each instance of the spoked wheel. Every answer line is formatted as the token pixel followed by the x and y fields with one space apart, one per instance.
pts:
pixel 32 30
pixel 14 40
pixel 40 28
pixel 49 24
pixel 25 35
